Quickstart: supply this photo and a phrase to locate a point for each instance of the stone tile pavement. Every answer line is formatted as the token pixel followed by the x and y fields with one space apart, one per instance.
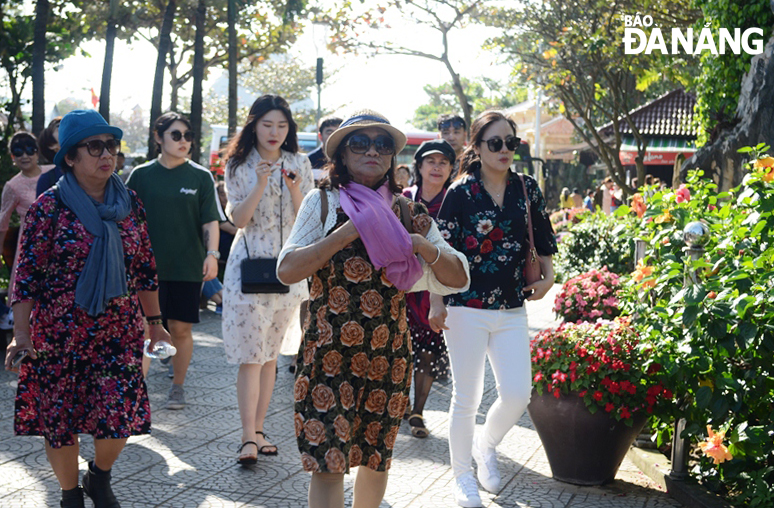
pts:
pixel 189 460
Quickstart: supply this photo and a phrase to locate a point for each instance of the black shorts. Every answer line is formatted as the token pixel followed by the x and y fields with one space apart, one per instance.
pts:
pixel 179 300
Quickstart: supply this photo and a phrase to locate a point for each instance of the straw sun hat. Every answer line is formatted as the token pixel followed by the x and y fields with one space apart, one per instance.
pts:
pixel 362 119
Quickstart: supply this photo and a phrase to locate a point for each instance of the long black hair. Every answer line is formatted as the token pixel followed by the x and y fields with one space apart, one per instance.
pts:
pixel 241 144
pixel 470 160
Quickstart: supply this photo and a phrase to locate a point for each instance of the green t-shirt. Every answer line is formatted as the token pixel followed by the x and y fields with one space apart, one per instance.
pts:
pixel 177 203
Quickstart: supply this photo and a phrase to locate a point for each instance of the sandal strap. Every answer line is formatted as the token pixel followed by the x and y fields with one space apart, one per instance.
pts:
pixel 417 415
pixel 260 432
pixel 245 444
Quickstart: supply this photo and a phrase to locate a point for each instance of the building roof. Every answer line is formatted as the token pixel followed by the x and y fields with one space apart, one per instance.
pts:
pixel 670 115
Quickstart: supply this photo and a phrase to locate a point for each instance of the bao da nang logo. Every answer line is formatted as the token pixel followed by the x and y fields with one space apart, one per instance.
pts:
pixel 688 41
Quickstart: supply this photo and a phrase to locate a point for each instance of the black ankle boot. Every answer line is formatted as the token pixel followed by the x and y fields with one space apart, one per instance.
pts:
pixel 72 498
pixel 96 485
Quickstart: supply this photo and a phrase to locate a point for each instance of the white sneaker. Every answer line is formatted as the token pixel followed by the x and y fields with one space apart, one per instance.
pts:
pixel 488 474
pixel 466 491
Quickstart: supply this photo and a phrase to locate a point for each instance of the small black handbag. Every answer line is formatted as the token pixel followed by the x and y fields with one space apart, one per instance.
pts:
pixel 259 275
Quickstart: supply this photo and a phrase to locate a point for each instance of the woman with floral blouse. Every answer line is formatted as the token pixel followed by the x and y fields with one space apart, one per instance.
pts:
pixel 484 216
pixel 353 370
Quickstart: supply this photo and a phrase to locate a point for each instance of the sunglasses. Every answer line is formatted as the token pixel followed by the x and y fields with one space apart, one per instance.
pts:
pixel 177 135
pixel 20 150
pixel 360 143
pixel 96 147
pixel 496 143
pixel 456 123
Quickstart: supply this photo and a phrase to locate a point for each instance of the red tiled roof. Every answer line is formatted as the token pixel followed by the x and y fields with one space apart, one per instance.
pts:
pixel 670 115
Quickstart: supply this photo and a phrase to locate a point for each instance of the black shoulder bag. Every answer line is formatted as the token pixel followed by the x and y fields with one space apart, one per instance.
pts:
pixel 259 275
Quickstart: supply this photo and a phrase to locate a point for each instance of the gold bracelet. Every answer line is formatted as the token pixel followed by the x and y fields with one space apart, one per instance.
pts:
pixel 436 257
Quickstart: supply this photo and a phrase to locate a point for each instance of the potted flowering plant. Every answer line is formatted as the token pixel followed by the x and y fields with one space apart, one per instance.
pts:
pixel 588 297
pixel 594 387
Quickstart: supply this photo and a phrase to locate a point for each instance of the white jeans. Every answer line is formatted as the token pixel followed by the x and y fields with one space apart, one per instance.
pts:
pixel 503 336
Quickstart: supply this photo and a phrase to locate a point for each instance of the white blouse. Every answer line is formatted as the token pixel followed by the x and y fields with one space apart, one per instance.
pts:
pixel 308 229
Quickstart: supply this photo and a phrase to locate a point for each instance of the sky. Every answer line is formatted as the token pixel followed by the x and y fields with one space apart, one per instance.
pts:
pixel 390 84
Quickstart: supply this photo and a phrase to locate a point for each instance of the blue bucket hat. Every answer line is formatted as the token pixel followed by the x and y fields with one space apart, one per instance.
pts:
pixel 78 125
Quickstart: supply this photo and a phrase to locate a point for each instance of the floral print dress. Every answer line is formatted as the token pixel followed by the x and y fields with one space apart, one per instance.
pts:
pixel 87 378
pixel 353 369
pixel 254 324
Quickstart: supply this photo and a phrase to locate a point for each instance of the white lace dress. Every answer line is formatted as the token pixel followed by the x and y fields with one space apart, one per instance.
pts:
pixel 254 325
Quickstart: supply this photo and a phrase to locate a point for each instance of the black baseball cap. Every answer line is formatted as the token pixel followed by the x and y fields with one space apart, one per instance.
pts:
pixel 435 146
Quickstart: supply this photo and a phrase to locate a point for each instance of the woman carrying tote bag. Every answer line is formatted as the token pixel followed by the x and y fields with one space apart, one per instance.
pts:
pixel 266 180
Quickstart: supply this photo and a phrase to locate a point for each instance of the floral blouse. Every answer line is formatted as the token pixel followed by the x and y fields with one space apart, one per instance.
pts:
pixel 494 239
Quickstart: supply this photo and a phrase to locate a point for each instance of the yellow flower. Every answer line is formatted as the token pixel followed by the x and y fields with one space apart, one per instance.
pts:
pixel 713 447
pixel 766 162
pixel 664 217
pixel 642 272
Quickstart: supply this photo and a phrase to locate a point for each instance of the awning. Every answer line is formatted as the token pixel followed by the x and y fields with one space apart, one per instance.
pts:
pixel 660 151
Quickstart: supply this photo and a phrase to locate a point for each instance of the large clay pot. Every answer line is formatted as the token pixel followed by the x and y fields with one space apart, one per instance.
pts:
pixel 582 448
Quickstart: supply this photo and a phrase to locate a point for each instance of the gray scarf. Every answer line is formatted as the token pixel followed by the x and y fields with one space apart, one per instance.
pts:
pixel 104 274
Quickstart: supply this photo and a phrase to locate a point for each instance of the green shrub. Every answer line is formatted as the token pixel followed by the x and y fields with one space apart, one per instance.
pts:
pixel 598 240
pixel 715 339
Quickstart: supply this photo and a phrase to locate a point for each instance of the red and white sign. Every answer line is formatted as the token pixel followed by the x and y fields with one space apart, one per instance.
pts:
pixel 653 158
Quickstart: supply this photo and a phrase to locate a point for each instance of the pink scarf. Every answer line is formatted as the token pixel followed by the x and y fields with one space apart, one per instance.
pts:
pixel 386 240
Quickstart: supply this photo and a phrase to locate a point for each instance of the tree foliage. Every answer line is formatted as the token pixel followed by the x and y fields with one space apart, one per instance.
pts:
pixel 573 49
pixel 365 29
pixel 719 83
pixel 484 93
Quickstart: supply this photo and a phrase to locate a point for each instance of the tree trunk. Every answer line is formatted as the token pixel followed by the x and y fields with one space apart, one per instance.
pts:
pixel 158 80
pixel 198 80
pixel 107 67
pixel 38 67
pixel 232 68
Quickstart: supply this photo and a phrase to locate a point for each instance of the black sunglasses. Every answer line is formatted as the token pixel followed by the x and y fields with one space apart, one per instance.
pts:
pixel 96 147
pixel 177 135
pixel 496 143
pixel 456 123
pixel 19 150
pixel 360 143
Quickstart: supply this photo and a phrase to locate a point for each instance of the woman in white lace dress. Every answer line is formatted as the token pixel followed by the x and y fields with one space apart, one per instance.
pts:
pixel 266 180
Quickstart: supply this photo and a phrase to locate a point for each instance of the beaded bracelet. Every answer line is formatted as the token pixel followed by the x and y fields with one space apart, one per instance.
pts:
pixel 155 321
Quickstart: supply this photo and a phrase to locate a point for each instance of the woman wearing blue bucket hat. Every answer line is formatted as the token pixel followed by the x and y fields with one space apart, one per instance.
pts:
pixel 85 269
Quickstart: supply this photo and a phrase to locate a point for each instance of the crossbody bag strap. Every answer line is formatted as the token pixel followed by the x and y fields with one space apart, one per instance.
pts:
pixel 282 241
pixel 529 214
pixel 323 208
pixel 405 215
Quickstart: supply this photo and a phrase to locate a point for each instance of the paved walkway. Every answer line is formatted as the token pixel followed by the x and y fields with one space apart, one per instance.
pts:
pixel 189 460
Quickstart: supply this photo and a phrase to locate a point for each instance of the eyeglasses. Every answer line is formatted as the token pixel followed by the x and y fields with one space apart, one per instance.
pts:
pixel 19 150
pixel 96 147
pixel 360 143
pixel 456 123
pixel 496 143
pixel 177 135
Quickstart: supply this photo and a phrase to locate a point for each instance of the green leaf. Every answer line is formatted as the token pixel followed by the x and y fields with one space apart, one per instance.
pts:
pixel 746 332
pixel 703 397
pixel 689 315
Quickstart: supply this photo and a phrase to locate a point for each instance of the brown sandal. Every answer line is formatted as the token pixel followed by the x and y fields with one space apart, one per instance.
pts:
pixel 419 431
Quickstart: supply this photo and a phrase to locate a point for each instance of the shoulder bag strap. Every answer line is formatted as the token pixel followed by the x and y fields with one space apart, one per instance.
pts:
pixel 529 213
pixel 323 207
pixel 405 215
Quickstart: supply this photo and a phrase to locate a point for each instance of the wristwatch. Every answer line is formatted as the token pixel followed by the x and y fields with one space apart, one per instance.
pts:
pixel 214 253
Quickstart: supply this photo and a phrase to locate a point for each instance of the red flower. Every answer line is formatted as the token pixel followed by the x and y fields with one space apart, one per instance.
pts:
pixel 609 407
pixel 598 395
pixel 486 247
pixel 475 303
pixel 625 412
pixel 538 377
pixel 496 234
pixel 471 242
pixel 475 188
pixel 557 393
pixel 668 394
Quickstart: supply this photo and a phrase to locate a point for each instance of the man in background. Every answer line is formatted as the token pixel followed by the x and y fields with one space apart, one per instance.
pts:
pixel 454 130
pixel 325 128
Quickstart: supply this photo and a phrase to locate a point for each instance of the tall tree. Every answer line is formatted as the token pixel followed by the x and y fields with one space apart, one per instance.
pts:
pixel 485 94
pixel 38 66
pixel 158 79
pixel 232 68
pixel 198 80
pixel 107 68
pixel 353 30
pixel 573 49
